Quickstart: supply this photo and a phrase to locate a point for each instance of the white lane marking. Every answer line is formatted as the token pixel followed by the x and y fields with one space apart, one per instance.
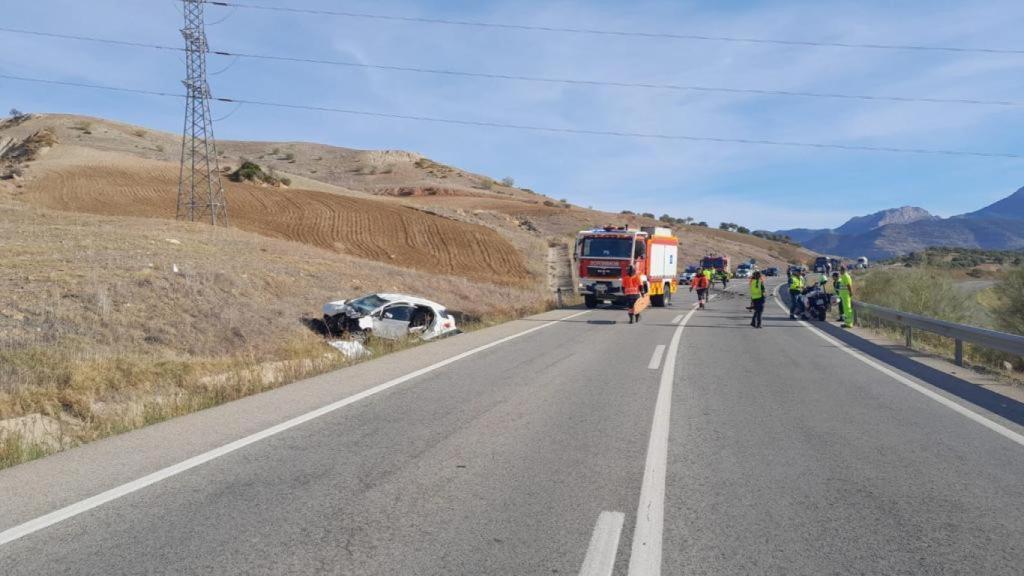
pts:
pixel 677 319
pixel 77 508
pixel 656 358
pixel 956 407
pixel 604 544
pixel 645 556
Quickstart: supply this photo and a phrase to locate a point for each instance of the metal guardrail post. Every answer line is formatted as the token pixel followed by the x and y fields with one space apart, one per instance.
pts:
pixel 909 331
pixel 559 297
pixel 1009 343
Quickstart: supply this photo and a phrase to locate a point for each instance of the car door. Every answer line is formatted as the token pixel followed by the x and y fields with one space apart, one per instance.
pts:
pixel 393 321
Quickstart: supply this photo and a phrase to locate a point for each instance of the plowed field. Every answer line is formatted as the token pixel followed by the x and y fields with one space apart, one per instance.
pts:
pixel 366 228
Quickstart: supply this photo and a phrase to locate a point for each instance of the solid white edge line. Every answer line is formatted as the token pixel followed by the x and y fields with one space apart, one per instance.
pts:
pixel 645 554
pixel 604 544
pixel 656 357
pixel 87 504
pixel 986 422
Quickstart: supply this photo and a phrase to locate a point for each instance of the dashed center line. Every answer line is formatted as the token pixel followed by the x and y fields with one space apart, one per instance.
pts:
pixel 604 544
pixel 659 350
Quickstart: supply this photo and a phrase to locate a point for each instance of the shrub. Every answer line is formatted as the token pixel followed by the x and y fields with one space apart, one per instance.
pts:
pixel 508 181
pixel 925 292
pixel 647 215
pixel 17 114
pixel 628 212
pixel 549 204
pixel 290 156
pixel 1009 313
pixel 139 133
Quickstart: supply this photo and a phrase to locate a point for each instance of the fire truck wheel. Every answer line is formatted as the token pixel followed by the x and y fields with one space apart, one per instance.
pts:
pixel 590 301
pixel 658 300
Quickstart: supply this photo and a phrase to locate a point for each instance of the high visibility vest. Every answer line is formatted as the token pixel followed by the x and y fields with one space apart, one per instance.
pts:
pixel 631 285
pixel 756 289
pixel 846 282
pixel 795 283
pixel 708 274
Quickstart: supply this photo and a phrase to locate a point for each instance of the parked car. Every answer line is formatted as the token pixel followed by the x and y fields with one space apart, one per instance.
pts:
pixel 743 271
pixel 772 271
pixel 389 316
pixel 687 276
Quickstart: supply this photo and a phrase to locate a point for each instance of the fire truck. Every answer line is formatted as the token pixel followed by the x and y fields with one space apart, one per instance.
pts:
pixel 716 263
pixel 604 254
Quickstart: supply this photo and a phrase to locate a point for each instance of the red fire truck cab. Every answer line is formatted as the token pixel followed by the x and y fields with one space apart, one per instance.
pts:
pixel 604 254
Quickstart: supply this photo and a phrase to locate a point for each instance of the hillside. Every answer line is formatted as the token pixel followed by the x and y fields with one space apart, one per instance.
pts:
pixel 114 315
pixel 1011 207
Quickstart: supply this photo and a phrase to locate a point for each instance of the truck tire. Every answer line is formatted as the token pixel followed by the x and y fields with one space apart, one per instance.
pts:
pixel 590 301
pixel 658 300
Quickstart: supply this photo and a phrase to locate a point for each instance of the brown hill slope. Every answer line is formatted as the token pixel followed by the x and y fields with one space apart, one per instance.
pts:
pixel 82 180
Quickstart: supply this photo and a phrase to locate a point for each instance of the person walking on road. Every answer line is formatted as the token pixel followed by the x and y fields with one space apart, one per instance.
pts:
pixel 701 285
pixel 846 296
pixel 709 273
pixel 796 286
pixel 631 289
pixel 757 297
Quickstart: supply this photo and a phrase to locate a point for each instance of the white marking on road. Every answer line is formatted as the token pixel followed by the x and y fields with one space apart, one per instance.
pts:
pixel 77 508
pixel 677 319
pixel 955 406
pixel 604 544
pixel 645 556
pixel 656 358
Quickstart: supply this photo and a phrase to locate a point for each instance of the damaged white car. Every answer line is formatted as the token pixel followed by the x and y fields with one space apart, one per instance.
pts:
pixel 389 316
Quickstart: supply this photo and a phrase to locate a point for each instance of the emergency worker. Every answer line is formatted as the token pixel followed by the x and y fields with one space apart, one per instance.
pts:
pixel 631 288
pixel 846 296
pixel 757 297
pixel 796 286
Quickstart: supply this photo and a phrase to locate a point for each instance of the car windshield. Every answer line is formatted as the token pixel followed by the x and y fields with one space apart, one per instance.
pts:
pixel 367 304
pixel 607 247
pixel 691 269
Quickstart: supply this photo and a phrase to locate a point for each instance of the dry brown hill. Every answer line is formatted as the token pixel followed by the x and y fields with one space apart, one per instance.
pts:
pixel 114 315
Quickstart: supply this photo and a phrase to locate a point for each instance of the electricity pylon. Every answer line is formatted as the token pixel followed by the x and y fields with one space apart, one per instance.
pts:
pixel 200 194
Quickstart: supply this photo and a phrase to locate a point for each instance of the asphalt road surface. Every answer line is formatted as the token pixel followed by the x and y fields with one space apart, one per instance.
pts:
pixel 688 444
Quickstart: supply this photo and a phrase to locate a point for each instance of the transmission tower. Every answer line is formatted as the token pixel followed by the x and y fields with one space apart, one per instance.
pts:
pixel 200 194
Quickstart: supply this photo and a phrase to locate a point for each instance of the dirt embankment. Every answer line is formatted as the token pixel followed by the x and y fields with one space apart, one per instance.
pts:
pixel 82 180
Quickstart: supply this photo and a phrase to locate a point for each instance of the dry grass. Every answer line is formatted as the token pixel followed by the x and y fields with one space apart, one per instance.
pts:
pixel 109 324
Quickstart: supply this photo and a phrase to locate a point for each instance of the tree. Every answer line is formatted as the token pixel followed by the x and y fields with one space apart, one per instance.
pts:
pixel 667 219
pixel 628 212
pixel 743 230
pixel 508 182
pixel 648 215
pixel 702 223
pixel 15 113
pixel 724 226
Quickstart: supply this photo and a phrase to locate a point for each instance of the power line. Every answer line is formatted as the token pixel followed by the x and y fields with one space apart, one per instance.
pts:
pixel 622 33
pixel 539 79
pixel 547 129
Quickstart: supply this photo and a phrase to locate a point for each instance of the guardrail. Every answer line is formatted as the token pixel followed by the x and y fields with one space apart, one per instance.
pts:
pixel 960 333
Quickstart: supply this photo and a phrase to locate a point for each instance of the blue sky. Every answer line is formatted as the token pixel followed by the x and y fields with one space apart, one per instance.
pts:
pixel 757 186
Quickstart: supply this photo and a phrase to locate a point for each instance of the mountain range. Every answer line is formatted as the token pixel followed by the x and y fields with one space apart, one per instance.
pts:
pixel 998 226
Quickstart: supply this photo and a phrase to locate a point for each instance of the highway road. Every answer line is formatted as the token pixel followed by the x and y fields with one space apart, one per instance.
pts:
pixel 568 443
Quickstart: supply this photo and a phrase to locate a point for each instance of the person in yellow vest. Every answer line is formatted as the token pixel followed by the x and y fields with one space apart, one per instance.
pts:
pixel 796 286
pixel 846 296
pixel 757 296
pixel 836 283
pixel 709 273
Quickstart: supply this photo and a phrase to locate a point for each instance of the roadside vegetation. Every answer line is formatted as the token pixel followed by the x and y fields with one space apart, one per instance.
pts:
pixel 934 292
pixel 111 324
